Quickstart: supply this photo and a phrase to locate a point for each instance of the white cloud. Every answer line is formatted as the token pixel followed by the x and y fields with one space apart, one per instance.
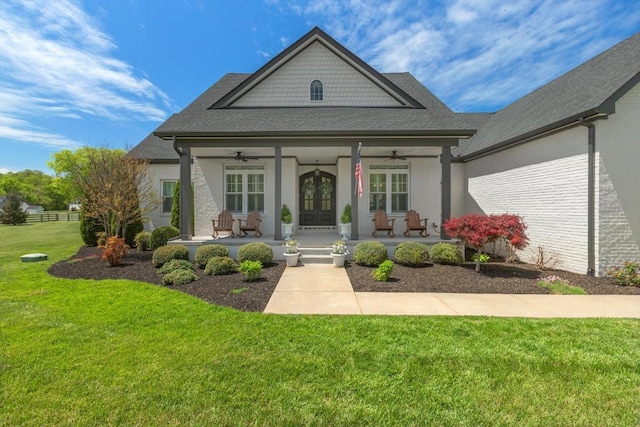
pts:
pixel 20 130
pixel 475 55
pixel 57 61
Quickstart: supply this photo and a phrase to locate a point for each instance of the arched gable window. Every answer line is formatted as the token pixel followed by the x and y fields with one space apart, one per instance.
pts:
pixel 316 91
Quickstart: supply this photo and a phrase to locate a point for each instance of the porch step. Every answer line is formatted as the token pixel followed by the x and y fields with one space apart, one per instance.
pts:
pixel 315 254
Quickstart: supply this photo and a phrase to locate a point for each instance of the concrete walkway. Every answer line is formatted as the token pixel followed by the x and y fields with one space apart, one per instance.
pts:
pixel 325 289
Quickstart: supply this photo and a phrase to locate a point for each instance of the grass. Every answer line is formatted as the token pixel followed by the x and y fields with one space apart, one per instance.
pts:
pixel 559 286
pixel 116 352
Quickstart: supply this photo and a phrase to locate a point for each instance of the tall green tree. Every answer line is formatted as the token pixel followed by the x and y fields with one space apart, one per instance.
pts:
pixel 175 207
pixel 12 212
pixel 35 187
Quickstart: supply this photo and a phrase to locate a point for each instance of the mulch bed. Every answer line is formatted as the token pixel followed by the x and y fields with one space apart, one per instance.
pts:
pixel 233 291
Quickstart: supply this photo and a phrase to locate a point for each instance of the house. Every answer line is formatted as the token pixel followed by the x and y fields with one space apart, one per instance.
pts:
pixel 25 206
pixel 564 157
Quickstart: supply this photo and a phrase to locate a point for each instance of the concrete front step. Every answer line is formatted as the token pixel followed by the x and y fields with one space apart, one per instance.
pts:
pixel 320 254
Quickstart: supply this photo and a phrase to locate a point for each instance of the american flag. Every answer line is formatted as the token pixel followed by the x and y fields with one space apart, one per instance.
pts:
pixel 359 180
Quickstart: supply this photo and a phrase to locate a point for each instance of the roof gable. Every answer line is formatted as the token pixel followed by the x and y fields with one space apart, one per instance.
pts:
pixel 284 81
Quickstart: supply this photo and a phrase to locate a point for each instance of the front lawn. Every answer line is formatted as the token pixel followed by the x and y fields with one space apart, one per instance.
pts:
pixel 118 352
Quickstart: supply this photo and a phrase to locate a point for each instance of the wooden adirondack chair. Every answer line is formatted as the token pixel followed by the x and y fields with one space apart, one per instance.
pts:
pixel 223 223
pixel 252 223
pixel 382 223
pixel 414 223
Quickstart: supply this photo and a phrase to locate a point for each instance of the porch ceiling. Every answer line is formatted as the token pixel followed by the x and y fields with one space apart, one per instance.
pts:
pixel 311 155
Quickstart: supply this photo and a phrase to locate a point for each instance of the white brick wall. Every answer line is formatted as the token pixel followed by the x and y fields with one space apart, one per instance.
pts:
pixel 160 173
pixel 289 85
pixel 544 181
pixel 618 181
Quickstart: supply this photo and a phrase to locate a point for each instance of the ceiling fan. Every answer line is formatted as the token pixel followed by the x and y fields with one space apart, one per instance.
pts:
pixel 244 157
pixel 394 156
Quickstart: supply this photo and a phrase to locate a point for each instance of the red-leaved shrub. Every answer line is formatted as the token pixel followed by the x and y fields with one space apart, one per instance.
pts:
pixel 477 230
pixel 114 250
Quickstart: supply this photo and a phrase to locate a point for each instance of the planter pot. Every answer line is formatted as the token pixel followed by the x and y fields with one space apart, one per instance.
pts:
pixel 338 259
pixel 287 231
pixel 291 259
pixel 345 230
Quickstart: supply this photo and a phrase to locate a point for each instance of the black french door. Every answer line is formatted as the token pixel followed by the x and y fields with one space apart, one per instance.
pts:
pixel 317 199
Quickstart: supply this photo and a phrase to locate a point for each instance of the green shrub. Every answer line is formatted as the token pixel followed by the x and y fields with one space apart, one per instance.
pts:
pixel 206 252
pixel 89 229
pixel 175 264
pixel 382 273
pixel 371 254
pixel 164 254
pixel 483 257
pixel 132 231
pixel 412 254
pixel 251 270
pixel 446 253
pixel 142 240
pixel 161 235
pixel 285 214
pixel 345 218
pixel 220 265
pixel 255 252
pixel 179 277
pixel 627 275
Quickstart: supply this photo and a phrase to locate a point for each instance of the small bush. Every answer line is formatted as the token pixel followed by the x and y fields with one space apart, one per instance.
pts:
pixel 164 254
pixel 382 273
pixel 412 254
pixel 446 253
pixel 627 275
pixel 161 235
pixel 179 277
pixel 483 257
pixel 206 252
pixel 142 240
pixel 220 265
pixel 371 254
pixel 114 250
pixel 255 252
pixel 251 270
pixel 101 239
pixel 175 264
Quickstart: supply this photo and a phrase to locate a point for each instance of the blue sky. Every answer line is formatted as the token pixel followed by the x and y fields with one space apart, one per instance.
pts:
pixel 108 72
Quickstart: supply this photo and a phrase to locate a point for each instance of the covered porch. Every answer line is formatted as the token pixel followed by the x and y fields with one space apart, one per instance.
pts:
pixel 287 162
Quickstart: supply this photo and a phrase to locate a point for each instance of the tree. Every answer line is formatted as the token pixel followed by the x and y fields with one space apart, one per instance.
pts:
pixel 12 212
pixel 477 230
pixel 115 189
pixel 175 207
pixel 34 187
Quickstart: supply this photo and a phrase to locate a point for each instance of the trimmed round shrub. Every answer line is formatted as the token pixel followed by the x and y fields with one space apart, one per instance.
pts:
pixel 175 264
pixel 206 252
pixel 412 254
pixel 164 254
pixel 220 265
pixel 446 253
pixel 255 252
pixel 142 240
pixel 179 277
pixel 161 235
pixel 371 254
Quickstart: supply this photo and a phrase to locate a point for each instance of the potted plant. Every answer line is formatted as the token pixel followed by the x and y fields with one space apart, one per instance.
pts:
pixel 339 253
pixel 291 253
pixel 345 223
pixel 287 222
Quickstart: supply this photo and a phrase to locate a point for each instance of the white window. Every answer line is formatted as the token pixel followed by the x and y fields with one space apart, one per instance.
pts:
pixel 168 187
pixel 316 91
pixel 244 188
pixel 389 188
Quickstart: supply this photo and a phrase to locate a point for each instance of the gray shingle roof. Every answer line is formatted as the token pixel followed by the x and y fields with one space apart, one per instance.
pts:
pixel 156 149
pixel 199 119
pixel 586 90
